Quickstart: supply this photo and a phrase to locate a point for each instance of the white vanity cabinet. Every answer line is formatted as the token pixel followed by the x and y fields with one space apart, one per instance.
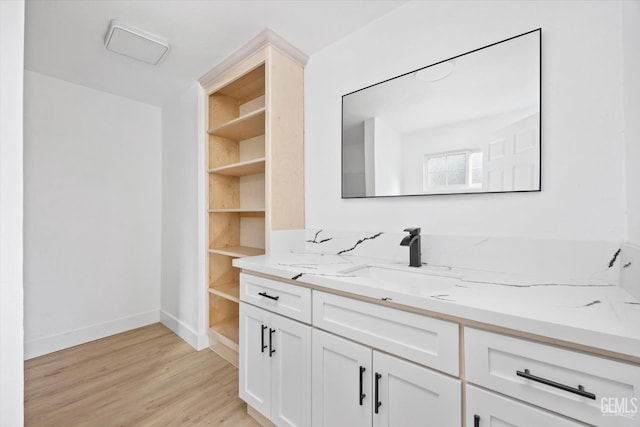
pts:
pixel 275 364
pixel 354 385
pixel 487 409
pixel 578 385
pixel 361 384
pixel 315 358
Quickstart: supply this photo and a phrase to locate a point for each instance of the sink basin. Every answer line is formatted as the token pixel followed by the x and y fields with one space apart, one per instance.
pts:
pixel 423 283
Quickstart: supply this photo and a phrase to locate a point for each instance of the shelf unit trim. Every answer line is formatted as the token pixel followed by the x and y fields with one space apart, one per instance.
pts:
pixel 265 38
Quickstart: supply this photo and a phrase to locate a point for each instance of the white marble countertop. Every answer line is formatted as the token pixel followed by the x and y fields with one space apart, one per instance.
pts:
pixel 592 313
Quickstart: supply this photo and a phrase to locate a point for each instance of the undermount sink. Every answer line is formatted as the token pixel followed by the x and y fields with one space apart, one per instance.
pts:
pixel 420 282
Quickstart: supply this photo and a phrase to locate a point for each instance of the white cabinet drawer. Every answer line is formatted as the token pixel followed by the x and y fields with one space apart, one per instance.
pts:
pixel 486 409
pixel 425 340
pixel 552 376
pixel 282 298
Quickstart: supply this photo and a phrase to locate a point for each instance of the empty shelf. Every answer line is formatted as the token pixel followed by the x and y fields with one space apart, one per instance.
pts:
pixel 244 127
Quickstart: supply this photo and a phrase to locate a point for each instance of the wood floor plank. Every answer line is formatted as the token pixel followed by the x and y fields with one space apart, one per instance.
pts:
pixel 144 377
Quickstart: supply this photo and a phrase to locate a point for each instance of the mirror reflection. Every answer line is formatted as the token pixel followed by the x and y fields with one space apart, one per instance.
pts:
pixel 469 124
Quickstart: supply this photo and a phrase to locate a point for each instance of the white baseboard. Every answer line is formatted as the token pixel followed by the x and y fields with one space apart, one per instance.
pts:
pixel 51 343
pixel 203 341
pixel 184 331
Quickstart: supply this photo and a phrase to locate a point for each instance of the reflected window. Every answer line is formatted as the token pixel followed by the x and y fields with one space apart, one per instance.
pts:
pixel 475 169
pixel 452 170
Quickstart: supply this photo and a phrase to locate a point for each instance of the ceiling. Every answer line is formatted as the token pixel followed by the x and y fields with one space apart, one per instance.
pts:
pixel 65 38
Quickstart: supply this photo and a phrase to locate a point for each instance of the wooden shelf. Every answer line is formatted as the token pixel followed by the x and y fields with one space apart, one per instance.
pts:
pixel 246 87
pixel 258 211
pixel 237 251
pixel 230 291
pixel 250 167
pixel 227 352
pixel 227 331
pixel 244 127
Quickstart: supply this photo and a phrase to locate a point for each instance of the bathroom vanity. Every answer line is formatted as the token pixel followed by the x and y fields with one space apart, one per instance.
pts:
pixel 329 340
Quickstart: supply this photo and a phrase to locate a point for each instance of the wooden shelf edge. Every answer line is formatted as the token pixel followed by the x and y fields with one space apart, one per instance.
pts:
pixel 237 251
pixel 226 333
pixel 260 211
pixel 230 291
pixel 249 167
pixel 223 130
pixel 224 351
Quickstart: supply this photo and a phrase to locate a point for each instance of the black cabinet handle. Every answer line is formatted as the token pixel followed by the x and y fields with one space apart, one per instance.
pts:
pixel 476 421
pixel 266 295
pixel 362 395
pixel 264 346
pixel 579 391
pixel 271 350
pixel 378 403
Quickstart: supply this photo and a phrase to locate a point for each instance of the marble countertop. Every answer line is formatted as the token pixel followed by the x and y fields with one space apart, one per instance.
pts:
pixel 592 313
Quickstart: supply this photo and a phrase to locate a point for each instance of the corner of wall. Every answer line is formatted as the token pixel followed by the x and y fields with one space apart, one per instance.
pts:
pixel 183 289
pixel 196 340
pixel 12 17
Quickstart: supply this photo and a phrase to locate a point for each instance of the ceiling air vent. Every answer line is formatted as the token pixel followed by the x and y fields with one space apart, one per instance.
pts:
pixel 134 43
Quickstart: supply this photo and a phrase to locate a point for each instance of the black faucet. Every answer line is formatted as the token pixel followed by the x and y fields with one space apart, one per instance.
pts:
pixel 413 241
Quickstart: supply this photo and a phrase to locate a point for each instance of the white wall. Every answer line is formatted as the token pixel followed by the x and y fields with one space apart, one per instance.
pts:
pixel 182 296
pixel 631 71
pixel 92 214
pixel 11 146
pixel 583 194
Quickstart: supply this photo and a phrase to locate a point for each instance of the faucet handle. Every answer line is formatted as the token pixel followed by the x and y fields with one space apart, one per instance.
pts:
pixel 413 230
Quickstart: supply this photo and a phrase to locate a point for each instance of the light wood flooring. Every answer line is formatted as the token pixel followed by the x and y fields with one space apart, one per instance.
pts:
pixel 144 377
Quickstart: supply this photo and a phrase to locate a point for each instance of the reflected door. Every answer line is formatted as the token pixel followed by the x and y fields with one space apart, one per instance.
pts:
pixel 512 157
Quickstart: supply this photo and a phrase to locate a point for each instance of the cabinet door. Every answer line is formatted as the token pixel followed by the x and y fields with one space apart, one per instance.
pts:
pixel 486 409
pixel 341 382
pixel 290 372
pixel 411 395
pixel 254 375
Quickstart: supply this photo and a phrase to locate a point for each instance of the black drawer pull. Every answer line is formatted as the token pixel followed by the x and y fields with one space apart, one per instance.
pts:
pixel 264 346
pixel 476 421
pixel 266 295
pixel 579 391
pixel 378 403
pixel 362 395
pixel 271 350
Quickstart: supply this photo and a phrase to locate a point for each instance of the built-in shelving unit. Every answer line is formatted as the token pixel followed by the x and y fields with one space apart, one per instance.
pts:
pixel 254 163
